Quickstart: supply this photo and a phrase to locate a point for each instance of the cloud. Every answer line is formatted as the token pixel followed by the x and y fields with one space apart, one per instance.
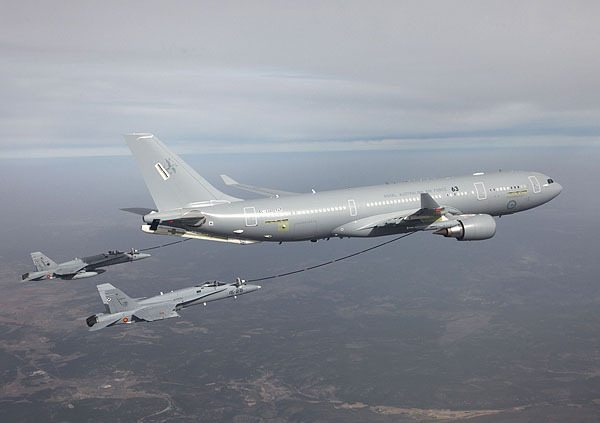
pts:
pixel 261 74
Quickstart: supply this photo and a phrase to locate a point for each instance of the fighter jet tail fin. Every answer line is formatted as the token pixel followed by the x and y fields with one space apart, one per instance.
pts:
pixel 114 299
pixel 171 182
pixel 42 262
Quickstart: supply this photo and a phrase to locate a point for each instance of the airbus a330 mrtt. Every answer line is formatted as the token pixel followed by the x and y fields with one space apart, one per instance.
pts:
pixel 458 207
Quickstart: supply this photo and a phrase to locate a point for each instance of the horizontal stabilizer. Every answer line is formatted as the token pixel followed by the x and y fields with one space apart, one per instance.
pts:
pixel 138 210
pixel 268 192
pixel 103 323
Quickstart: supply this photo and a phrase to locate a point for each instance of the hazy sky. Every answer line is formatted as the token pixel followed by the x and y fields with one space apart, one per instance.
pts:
pixel 272 76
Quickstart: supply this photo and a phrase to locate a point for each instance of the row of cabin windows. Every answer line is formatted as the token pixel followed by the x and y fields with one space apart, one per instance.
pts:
pixel 302 212
pixel 507 188
pixel 413 199
pixel 324 210
pixel 390 202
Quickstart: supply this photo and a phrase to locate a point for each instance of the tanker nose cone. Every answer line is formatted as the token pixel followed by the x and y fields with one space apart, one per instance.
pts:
pixel 558 188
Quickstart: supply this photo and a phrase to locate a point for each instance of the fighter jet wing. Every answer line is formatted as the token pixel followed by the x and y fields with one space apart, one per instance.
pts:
pixel 70 268
pixel 268 192
pixel 156 312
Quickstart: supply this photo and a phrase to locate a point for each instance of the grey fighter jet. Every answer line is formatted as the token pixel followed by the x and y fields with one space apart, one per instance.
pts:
pixel 462 207
pixel 78 268
pixel 121 309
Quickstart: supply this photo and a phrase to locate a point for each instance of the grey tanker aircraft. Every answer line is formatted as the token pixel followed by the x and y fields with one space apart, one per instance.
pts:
pixel 121 309
pixel 456 207
pixel 78 268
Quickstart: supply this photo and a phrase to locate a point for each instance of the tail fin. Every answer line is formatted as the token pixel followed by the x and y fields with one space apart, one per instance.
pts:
pixel 171 182
pixel 41 262
pixel 114 299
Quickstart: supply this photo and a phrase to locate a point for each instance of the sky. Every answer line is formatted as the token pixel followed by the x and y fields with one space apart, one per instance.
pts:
pixel 455 87
pixel 261 76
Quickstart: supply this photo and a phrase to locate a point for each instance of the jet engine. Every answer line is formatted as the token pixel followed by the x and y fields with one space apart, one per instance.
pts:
pixel 92 320
pixel 471 228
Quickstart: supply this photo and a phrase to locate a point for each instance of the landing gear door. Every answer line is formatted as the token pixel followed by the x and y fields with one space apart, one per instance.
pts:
pixel 250 216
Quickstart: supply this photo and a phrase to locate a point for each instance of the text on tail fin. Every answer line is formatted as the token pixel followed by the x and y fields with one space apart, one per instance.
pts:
pixel 114 299
pixel 171 182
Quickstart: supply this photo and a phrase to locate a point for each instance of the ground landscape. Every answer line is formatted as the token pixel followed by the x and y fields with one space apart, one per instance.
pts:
pixel 426 329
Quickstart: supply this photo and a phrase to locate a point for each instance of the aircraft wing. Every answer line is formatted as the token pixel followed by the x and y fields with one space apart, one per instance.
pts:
pixel 70 267
pixel 268 192
pixel 429 212
pixel 157 312
pixel 429 215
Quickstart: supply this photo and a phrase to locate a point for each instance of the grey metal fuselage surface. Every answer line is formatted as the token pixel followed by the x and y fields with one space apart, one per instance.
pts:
pixel 346 213
pixel 459 207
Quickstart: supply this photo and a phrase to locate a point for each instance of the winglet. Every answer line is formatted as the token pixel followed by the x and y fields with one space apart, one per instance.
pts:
pixel 427 202
pixel 229 181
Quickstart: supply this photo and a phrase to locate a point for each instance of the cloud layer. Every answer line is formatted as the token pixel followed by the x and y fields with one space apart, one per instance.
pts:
pixel 284 76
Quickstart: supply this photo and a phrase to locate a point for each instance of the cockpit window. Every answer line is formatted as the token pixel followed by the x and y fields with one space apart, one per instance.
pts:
pixel 212 283
pixel 550 181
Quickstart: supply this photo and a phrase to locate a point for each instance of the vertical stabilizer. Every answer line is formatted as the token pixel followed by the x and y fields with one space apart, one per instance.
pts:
pixel 41 262
pixel 114 299
pixel 171 182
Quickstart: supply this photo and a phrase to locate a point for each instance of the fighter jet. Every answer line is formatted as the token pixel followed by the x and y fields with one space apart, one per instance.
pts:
pixel 461 208
pixel 78 268
pixel 121 309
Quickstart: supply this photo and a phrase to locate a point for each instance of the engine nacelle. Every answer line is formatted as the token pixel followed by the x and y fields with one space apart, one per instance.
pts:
pixel 92 320
pixel 471 228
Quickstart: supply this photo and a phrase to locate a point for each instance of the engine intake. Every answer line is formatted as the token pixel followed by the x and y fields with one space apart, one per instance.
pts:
pixel 471 228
